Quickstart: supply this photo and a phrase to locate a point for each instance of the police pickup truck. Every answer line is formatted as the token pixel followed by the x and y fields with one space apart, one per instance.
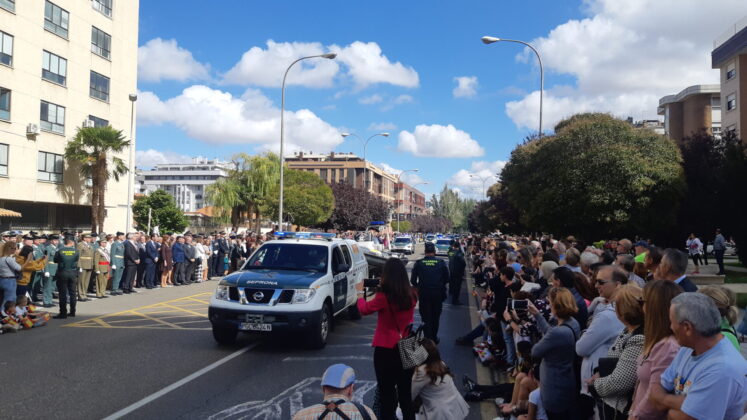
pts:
pixel 296 283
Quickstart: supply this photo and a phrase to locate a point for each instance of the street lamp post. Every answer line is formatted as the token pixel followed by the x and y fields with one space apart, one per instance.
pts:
pixel 365 163
pixel 131 175
pixel 492 39
pixel 329 56
pixel 484 179
pixel 399 181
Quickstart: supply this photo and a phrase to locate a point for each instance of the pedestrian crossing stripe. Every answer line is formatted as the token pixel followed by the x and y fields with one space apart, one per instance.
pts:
pixel 186 313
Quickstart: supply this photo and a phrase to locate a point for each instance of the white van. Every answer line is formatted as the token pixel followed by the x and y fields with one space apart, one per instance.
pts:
pixel 299 282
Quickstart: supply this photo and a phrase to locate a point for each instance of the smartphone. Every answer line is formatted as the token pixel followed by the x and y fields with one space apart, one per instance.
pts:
pixel 520 305
pixel 508 302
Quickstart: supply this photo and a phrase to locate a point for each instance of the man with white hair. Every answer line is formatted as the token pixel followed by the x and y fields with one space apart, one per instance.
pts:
pixel 707 378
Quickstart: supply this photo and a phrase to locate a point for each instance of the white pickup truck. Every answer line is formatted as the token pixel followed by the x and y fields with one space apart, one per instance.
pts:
pixel 297 283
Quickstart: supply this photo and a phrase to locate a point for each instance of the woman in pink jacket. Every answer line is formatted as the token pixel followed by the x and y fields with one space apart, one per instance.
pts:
pixel 659 347
pixel 395 303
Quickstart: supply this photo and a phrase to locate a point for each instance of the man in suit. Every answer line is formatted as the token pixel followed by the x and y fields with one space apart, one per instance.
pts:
pixel 131 262
pixel 85 266
pixel 190 256
pixel 210 257
pixel 177 253
pixel 117 263
pixel 220 248
pixel 673 267
pixel 140 243
pixel 150 261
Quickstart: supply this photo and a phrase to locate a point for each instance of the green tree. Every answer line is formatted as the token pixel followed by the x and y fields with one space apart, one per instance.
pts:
pixel 246 187
pixel 401 226
pixel 596 177
pixel 92 149
pixel 163 211
pixel 354 208
pixel 449 205
pixel 308 201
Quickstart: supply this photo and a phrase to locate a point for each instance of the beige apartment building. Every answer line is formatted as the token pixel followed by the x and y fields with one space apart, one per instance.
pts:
pixel 694 109
pixel 729 55
pixel 346 167
pixel 410 202
pixel 64 64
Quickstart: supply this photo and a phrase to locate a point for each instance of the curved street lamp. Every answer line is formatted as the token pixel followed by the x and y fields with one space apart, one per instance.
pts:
pixel 484 179
pixel 492 39
pixel 365 163
pixel 329 56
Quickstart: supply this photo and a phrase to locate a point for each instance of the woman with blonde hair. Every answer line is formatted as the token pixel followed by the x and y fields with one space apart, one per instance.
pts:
pixel 659 347
pixel 726 302
pixel 9 270
pixel 615 388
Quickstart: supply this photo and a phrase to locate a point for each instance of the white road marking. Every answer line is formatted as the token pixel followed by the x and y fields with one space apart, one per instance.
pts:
pixel 152 397
pixel 313 358
pixel 349 345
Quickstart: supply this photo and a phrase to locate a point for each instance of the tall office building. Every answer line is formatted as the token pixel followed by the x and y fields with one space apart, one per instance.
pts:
pixel 186 182
pixel 64 64
pixel 729 55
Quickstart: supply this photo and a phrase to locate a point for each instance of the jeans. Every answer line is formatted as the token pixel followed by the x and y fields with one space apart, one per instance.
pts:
pixel 720 260
pixel 8 287
pixel 508 337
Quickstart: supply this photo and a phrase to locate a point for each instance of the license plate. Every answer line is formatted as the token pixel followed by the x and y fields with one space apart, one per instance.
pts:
pixel 250 326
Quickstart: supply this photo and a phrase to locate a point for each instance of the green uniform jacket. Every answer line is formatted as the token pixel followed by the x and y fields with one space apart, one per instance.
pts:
pixel 85 260
pixel 50 250
pixel 67 259
pixel 117 254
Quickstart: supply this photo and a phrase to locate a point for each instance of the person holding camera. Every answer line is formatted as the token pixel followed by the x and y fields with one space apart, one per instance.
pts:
pixel 430 277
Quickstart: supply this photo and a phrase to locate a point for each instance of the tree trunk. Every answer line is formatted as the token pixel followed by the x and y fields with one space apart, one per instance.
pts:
pixel 102 170
pixel 94 201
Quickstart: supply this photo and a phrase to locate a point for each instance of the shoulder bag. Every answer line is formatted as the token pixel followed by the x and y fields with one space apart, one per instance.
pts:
pixel 411 351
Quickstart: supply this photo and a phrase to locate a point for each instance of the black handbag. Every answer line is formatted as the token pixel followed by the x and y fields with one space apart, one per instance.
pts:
pixel 606 365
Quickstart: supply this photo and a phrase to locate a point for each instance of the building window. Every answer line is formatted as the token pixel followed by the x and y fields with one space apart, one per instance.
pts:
pixel 56 19
pixel 334 176
pixel 101 42
pixel 731 102
pixel 6 49
pixel 50 167
pixel 98 122
pixel 323 174
pixel 52 117
pixel 9 5
pixel 54 68
pixel 103 6
pixel 99 86
pixel 4 104
pixel 731 70
pixel 3 159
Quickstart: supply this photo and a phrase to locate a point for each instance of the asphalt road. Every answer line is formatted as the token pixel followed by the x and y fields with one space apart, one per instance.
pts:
pixel 152 356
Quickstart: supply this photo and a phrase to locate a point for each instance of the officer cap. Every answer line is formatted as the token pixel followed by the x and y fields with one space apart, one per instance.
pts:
pixel 232 236
pixel 430 248
pixel 93 235
pixel 8 234
pixel 45 237
pixel 86 235
pixel 28 237
pixel 53 237
pixel 120 233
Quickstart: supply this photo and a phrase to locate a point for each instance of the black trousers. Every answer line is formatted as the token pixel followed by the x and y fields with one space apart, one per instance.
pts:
pixel 189 271
pixel 140 280
pixel 720 260
pixel 128 277
pixel 431 305
pixel 179 272
pixel 67 288
pixel 150 275
pixel 218 264
pixel 455 287
pixel 394 384
pixel 210 263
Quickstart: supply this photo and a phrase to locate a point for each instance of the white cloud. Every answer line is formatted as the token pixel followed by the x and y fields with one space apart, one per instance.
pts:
pixel 150 157
pixel 370 100
pixel 365 65
pixel 439 141
pixel 217 117
pixel 411 178
pixel 382 126
pixel 466 87
pixel 625 57
pixel 161 59
pixel 403 99
pixel 471 181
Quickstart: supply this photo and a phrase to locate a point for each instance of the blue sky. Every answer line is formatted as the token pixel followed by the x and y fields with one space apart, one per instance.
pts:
pixel 397 71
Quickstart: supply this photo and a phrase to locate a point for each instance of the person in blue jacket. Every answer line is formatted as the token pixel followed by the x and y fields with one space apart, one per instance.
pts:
pixel 177 253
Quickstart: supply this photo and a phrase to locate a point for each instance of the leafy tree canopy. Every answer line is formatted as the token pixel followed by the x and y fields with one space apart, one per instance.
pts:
pixel 164 214
pixel 354 208
pixel 308 200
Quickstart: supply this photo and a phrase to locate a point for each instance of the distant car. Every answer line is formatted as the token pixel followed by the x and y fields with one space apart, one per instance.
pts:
pixel 430 238
pixel 403 244
pixel 442 246
pixel 730 249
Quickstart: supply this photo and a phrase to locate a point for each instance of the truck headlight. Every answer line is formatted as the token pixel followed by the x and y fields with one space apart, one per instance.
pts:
pixel 303 295
pixel 221 293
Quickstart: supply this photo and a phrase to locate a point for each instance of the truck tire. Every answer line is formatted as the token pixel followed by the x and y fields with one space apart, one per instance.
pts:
pixel 354 313
pixel 320 333
pixel 225 336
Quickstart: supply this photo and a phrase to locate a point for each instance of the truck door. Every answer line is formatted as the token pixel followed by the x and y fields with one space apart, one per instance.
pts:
pixel 340 280
pixel 354 275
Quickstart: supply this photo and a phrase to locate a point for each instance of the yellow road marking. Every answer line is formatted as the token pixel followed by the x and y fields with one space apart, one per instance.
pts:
pixel 160 321
pixel 186 310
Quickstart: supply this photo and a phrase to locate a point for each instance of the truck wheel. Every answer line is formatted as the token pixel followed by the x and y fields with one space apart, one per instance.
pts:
pixel 354 313
pixel 225 336
pixel 320 333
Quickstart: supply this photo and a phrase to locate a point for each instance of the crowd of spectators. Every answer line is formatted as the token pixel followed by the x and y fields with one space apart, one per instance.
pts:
pixel 614 330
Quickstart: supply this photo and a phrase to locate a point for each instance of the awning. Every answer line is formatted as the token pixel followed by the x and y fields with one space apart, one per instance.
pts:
pixel 9 213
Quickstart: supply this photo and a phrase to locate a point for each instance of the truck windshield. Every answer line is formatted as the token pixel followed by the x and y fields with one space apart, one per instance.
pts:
pixel 402 241
pixel 443 242
pixel 289 256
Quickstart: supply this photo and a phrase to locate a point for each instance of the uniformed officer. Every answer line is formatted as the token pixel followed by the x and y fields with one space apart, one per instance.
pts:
pixel 85 266
pixel 430 276
pixel 456 270
pixel 92 279
pixel 117 262
pixel 101 262
pixel 67 277
pixel 50 270
pixel 38 276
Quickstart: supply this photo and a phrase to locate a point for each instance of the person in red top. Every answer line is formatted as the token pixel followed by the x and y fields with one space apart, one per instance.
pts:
pixel 395 303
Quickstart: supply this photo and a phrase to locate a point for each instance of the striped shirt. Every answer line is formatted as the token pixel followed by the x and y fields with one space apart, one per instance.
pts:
pixel 350 410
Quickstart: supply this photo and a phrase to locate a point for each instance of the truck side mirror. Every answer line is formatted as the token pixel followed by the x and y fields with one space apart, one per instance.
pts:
pixel 343 268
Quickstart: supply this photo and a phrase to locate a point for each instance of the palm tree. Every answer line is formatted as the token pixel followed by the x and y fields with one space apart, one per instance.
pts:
pixel 93 148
